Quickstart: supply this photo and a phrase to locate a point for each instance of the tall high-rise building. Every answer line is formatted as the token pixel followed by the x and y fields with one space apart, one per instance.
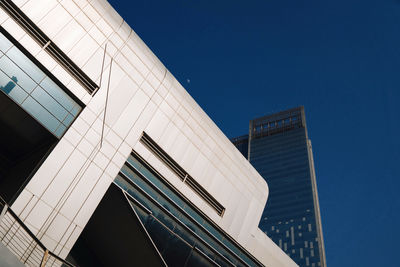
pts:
pixel 105 158
pixel 278 147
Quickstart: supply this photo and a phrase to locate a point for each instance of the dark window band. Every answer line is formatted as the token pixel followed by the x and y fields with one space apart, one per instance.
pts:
pixel 178 170
pixel 145 180
pixel 41 38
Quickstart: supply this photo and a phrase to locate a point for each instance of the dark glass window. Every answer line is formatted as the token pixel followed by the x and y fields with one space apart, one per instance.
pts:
pixel 151 190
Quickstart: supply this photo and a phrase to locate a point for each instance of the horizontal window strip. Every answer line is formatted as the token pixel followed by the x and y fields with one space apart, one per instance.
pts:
pixel 199 190
pixel 23 21
pixel 123 177
pixel 30 85
pixel 44 41
pixel 163 156
pixel 164 188
pixel 180 172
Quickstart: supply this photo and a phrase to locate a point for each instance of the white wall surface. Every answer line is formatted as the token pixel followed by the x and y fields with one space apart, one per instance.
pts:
pixel 144 96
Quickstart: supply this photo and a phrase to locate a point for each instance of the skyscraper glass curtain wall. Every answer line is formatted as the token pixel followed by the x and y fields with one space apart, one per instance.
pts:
pixel 279 148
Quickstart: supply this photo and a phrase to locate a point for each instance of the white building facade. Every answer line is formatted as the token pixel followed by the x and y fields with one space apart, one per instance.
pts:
pixel 104 100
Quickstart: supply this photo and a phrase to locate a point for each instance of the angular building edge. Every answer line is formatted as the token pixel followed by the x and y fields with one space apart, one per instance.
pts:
pixel 316 201
pixel 59 199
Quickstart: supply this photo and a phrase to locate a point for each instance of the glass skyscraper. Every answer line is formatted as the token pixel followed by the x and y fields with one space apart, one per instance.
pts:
pixel 278 147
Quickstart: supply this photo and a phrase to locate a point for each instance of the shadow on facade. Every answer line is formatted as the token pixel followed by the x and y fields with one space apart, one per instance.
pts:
pixel 24 143
pixel 114 236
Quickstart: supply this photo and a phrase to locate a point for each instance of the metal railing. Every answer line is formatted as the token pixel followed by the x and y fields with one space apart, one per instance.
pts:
pixel 16 236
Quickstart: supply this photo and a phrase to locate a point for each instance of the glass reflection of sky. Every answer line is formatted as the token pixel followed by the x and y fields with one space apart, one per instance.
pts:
pixel 34 91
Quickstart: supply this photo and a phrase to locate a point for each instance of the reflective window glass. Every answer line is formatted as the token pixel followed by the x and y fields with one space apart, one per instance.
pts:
pixel 68 120
pixel 41 114
pixel 18 94
pixel 196 230
pixel 60 130
pixel 60 96
pixel 49 103
pixel 9 87
pixel 24 82
pixel 5 44
pixel 25 64
pixel 15 73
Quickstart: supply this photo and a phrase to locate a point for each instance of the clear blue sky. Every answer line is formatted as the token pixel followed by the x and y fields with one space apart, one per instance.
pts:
pixel 338 58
